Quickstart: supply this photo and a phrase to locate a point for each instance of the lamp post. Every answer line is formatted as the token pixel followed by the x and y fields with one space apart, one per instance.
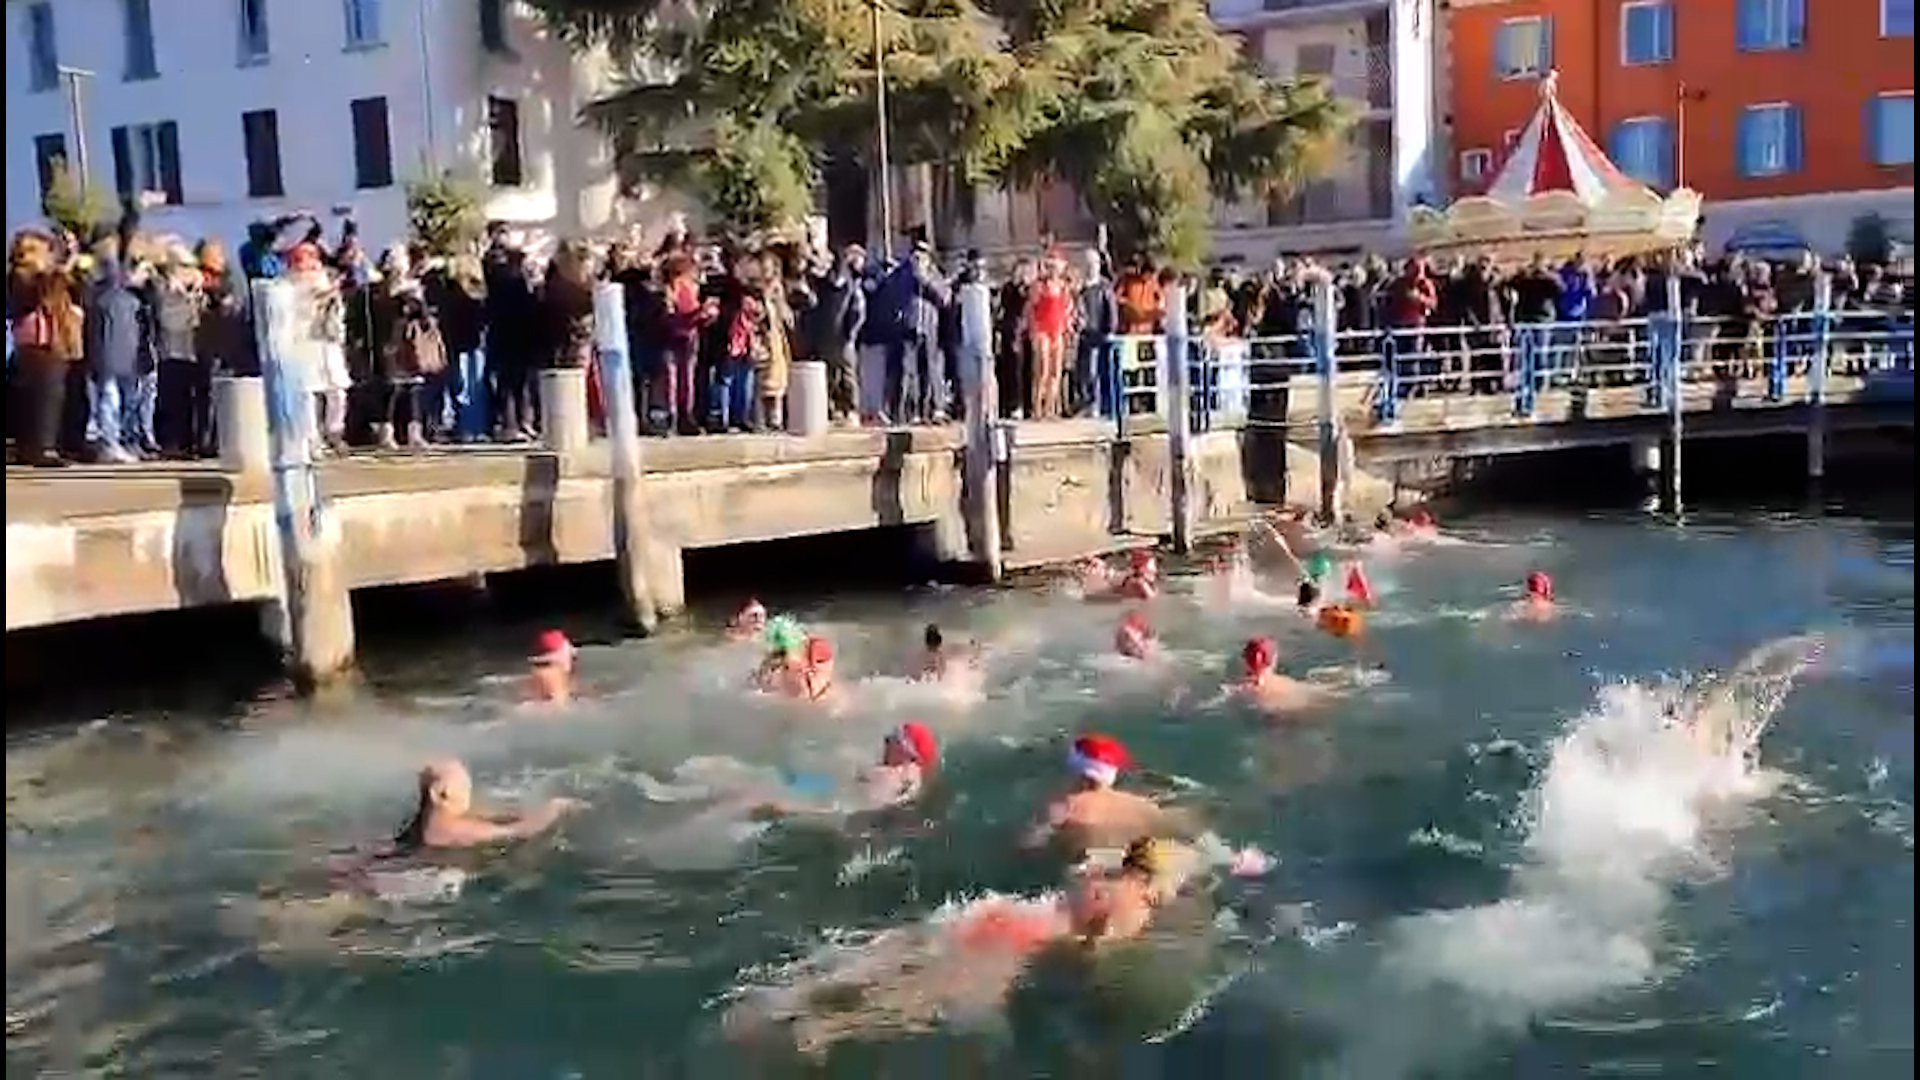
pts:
pixel 1683 95
pixel 70 79
pixel 883 153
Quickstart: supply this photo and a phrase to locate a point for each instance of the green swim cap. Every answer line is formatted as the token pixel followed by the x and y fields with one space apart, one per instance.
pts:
pixel 1319 565
pixel 784 634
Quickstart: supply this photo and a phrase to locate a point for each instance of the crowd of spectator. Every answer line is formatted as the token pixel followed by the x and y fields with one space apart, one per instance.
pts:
pixel 116 341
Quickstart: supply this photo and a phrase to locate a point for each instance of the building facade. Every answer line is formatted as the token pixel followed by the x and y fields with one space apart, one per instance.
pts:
pixel 230 111
pixel 1378 56
pixel 1793 118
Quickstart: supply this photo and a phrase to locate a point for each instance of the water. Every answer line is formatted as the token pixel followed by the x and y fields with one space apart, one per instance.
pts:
pixel 1494 861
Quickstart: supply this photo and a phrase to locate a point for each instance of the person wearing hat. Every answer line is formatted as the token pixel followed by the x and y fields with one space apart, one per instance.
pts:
pixel 1134 639
pixel 1536 604
pixel 1143 577
pixel 1093 813
pixel 1262 683
pixel 1118 904
pixel 550 668
pixel 907 757
pixel 812 679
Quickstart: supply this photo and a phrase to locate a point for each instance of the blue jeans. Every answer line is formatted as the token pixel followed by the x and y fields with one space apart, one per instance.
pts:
pixel 733 393
pixel 116 419
pixel 916 380
pixel 457 402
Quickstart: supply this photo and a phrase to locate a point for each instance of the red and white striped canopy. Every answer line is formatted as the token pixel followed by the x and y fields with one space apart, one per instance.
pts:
pixel 1556 154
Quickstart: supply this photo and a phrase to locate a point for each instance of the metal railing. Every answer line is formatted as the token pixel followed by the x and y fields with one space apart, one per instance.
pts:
pixel 1263 381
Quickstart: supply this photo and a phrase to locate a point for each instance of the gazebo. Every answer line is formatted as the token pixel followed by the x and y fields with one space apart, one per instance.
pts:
pixel 1557 195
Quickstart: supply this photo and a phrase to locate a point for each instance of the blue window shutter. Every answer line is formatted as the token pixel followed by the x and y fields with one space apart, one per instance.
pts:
pixel 1796 23
pixel 1871 127
pixel 1743 144
pixel 1546 43
pixel 1502 49
pixel 1664 153
pixel 1796 144
pixel 1617 148
pixel 1664 21
pixel 1747 30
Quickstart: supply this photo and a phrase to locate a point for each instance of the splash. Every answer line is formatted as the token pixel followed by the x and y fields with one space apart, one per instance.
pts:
pixel 1618 817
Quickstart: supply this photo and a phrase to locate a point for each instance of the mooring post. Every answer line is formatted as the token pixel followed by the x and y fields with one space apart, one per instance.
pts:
pixel 1176 351
pixel 1676 407
pixel 1817 377
pixel 631 542
pixel 317 611
pixel 1326 365
pixel 980 479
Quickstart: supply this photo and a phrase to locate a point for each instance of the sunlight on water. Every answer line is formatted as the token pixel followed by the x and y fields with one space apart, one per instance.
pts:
pixel 1467 838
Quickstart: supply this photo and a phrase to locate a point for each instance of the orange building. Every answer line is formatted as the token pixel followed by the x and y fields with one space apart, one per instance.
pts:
pixel 1792 117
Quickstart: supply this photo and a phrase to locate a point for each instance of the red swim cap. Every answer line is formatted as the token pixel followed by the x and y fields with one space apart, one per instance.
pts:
pixel 819 650
pixel 549 646
pixel 1540 585
pixel 1260 654
pixel 917 739
pixel 1134 621
pixel 1098 757
pixel 1141 558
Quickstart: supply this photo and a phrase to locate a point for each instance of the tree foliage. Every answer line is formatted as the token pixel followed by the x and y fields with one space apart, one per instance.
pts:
pixel 75 208
pixel 445 215
pixel 1145 107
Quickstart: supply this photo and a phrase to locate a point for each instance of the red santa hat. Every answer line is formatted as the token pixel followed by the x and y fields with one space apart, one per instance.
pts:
pixel 917 740
pixel 1098 758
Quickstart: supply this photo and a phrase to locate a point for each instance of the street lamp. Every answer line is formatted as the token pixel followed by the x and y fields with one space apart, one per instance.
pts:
pixel 883 152
pixel 1683 94
pixel 70 79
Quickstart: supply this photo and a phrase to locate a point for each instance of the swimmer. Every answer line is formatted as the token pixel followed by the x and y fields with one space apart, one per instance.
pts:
pixel 1134 639
pixel 907 757
pixel 749 622
pixel 550 669
pixel 1340 620
pixel 1537 604
pixel 1359 589
pixel 1117 905
pixel 1096 577
pixel 779 668
pixel 812 678
pixel 1093 813
pixel 1143 577
pixel 936 655
pixel 1262 683
pixel 1307 599
pixel 444 816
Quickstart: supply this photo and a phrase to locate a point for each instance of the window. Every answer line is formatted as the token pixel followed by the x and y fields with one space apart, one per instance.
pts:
pixel 1475 166
pixel 49 159
pixel 146 158
pixel 503 133
pixel 363 23
pixel 1643 148
pixel 1314 61
pixel 1770 25
pixel 1523 48
pixel 260 134
pixel 1896 18
pixel 1768 140
pixel 1646 33
pixel 43 51
pixel 142 62
pixel 372 144
pixel 1890 129
pixel 253 31
pixel 493 27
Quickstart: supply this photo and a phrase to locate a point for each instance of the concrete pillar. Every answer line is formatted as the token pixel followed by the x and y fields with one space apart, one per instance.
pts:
pixel 807 401
pixel 1178 396
pixel 240 422
pixel 980 487
pixel 563 409
pixel 667 576
pixel 631 524
pixel 317 610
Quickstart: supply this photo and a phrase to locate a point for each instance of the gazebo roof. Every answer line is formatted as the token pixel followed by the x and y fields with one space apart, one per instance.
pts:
pixel 1556 154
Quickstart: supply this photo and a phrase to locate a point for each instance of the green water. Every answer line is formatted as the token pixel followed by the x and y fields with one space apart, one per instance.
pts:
pixel 1483 870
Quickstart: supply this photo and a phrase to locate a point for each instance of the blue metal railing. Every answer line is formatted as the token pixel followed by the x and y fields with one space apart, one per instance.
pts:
pixel 1228 378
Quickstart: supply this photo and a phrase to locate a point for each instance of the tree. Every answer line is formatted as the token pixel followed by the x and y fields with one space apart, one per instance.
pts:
pixel 75 208
pixel 1143 106
pixel 444 214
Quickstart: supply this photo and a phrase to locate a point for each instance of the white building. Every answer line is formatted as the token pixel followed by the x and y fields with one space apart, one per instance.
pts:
pixel 236 110
pixel 1378 55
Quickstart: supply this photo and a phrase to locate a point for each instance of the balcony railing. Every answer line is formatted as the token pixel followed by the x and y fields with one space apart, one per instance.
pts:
pixel 1373 84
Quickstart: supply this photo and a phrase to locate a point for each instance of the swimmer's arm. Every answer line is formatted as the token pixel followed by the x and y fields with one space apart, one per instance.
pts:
pixel 473 831
pixel 1041 832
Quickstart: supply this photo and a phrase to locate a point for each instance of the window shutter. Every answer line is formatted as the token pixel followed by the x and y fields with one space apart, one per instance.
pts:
pixel 1870 126
pixel 168 138
pixel 1796 22
pixel 122 162
pixel 1747 29
pixel 1546 43
pixel 1617 148
pixel 1665 151
pixel 1743 144
pixel 1796 142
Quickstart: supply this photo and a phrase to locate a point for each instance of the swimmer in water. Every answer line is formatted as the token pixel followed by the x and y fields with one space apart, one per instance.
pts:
pixel 779 669
pixel 1262 683
pixel 444 816
pixel 812 678
pixel 550 669
pixel 1134 638
pixel 1118 905
pixel 749 622
pixel 1093 813
pixel 1537 603
pixel 1096 577
pixel 907 757
pixel 1307 599
pixel 1143 577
